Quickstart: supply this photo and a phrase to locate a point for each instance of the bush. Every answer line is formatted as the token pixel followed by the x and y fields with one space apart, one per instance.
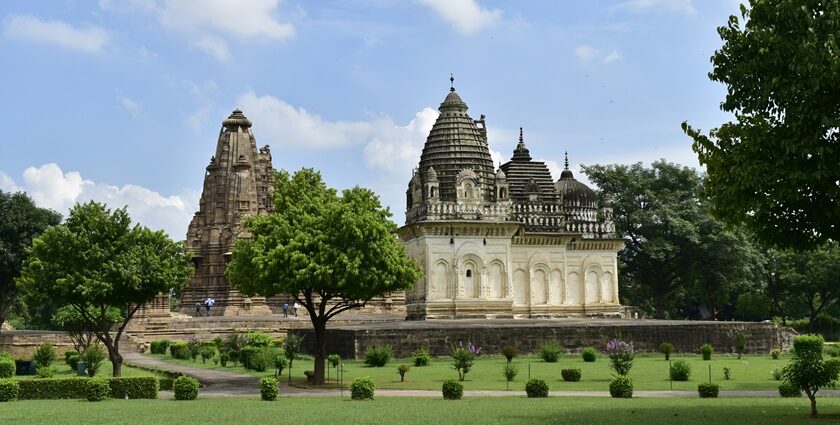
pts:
pixel 510 352
pixel 224 358
pixel 44 354
pixel 775 353
pixel 139 387
pixel 786 389
pixel 335 359
pixel 93 357
pixel 621 356
pixel 422 357
pixel 268 388
pixel 707 390
pixel 777 373
pixel 510 371
pixel 727 374
pixel 667 349
pixel 452 390
pixel 247 355
pixel 97 389
pixel 206 352
pixel 833 350
pixel 68 354
pixel 680 370
pixel 378 356
pixel 402 370
pixel 621 387
pixel 44 372
pixel 185 388
pixel 589 354
pixel 179 350
pixel 280 363
pixel 52 389
pixel 463 358
pixel 570 375
pixel 362 389
pixel 165 384
pixel 706 350
pixel 263 359
pixel 73 362
pixel 258 339
pixel 536 388
pixel 741 339
pixel 550 351
pixel 808 370
pixel 159 347
pixel 9 389
pixel 7 367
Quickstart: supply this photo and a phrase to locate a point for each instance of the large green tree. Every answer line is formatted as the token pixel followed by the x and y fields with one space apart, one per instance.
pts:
pixel 97 262
pixel 775 167
pixel 331 253
pixel 20 221
pixel 810 280
pixel 674 249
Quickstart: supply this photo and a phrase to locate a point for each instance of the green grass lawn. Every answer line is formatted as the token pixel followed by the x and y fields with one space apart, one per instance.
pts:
pixel 649 372
pixel 487 410
pixel 63 371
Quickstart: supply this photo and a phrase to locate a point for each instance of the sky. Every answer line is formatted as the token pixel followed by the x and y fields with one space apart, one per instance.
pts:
pixel 122 101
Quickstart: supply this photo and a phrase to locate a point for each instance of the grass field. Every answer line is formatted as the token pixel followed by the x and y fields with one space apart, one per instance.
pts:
pixel 506 410
pixel 649 372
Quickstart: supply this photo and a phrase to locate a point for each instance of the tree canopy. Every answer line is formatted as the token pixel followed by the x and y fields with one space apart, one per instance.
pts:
pixel 97 262
pixel 674 249
pixel 20 221
pixel 775 167
pixel 809 280
pixel 331 253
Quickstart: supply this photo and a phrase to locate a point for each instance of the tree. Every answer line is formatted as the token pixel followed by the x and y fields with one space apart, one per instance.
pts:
pixel 672 244
pixel 774 168
pixel 96 262
pixel 331 253
pixel 811 279
pixel 69 320
pixel 20 221
pixel 808 371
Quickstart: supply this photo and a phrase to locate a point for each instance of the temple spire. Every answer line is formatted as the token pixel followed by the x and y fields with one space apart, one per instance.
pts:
pixel 567 160
pixel 451 82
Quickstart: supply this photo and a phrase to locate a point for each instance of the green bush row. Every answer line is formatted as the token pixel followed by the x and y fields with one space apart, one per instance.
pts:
pixel 76 388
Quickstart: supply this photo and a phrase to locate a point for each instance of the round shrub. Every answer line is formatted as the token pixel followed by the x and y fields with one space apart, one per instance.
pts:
pixel 706 350
pixel 452 390
pixel 775 353
pixel 7 367
pixel 621 387
pixel 93 357
pixel 666 348
pixel 789 390
pixel 422 357
pixel 589 354
pixel 402 370
pixel 378 356
pixel 73 362
pixel 247 355
pixel 550 351
pixel 179 350
pixel 224 358
pixel 97 389
pixel 44 354
pixel 570 375
pixel 335 359
pixel 268 388
pixel 510 352
pixel 536 388
pixel 707 390
pixel 185 388
pixel 680 370
pixel 362 389
pixel 9 389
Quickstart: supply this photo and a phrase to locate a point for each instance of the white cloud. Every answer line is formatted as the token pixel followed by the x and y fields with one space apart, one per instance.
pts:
pixel 130 105
pixel 589 54
pixel 466 15
pixel 397 148
pixel 245 18
pixel 554 167
pixel 7 184
pixel 197 120
pixel 51 187
pixel 644 6
pixel 215 46
pixel 91 39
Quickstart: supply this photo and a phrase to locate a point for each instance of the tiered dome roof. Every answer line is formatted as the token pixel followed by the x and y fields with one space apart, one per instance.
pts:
pixel 575 193
pixel 455 143
pixel 526 176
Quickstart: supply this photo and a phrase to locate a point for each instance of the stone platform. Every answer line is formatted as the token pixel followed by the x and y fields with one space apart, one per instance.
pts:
pixel 526 334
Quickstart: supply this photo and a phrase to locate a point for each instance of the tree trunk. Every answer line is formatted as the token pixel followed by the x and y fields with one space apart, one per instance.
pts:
pixel 320 326
pixel 115 357
pixel 813 397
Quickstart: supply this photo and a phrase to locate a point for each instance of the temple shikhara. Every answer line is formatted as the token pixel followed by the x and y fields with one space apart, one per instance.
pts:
pixel 506 242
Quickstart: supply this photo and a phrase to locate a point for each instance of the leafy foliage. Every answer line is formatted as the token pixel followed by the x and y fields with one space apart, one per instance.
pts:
pixel 452 390
pixel 268 388
pixel 571 375
pixel 666 348
pixel 378 355
pixel 680 370
pixel 97 389
pixel 510 371
pixel 707 390
pixel 589 354
pixel 621 356
pixel 9 389
pixel 331 253
pixel 185 388
pixel 68 319
pixel 774 168
pixel 93 357
pixel 463 357
pixel 335 359
pixel 706 350
pixel 362 389
pixel 7 367
pixel 510 352
pixel 621 387
pixel 808 371
pixel 550 351
pixel 536 388
pixel 402 370
pixel 135 387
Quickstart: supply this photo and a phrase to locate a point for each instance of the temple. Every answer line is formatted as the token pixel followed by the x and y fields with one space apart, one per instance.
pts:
pixel 506 242
pixel 238 182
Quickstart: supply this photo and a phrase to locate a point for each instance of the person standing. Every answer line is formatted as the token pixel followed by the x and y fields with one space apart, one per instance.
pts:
pixel 207 305
pixel 285 309
pixel 295 308
pixel 197 309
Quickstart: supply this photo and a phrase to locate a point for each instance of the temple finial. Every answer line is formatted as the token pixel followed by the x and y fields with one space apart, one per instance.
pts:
pixel 521 139
pixel 567 160
pixel 451 82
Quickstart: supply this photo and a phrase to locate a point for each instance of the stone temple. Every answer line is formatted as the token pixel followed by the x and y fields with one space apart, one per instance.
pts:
pixel 506 242
pixel 238 182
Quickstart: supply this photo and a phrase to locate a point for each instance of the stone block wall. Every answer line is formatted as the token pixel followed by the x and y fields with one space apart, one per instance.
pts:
pixel 22 344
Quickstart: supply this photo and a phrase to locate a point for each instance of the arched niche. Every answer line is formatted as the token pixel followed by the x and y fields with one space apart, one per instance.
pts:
pixel 592 285
pixel 555 282
pixel 521 290
pixel 573 289
pixel 539 281
pixel 440 281
pixel 496 279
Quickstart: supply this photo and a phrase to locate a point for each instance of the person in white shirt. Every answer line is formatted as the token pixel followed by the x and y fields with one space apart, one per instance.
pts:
pixel 295 308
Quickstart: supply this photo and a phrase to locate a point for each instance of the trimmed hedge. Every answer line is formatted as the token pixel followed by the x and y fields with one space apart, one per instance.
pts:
pixel 362 389
pixel 9 389
pixel 97 389
pixel 452 390
pixel 185 388
pixel 707 390
pixel 268 388
pixel 180 350
pixel 52 389
pixel 571 375
pixel 7 367
pixel 165 384
pixel 536 388
pixel 621 387
pixel 589 354
pixel 680 370
pixel 159 347
pixel 789 390
pixel 137 387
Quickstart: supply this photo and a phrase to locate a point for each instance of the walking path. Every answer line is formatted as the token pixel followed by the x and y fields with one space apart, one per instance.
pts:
pixel 219 383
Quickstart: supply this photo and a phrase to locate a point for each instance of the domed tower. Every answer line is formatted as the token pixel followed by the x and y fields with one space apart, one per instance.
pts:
pixel 580 205
pixel 238 182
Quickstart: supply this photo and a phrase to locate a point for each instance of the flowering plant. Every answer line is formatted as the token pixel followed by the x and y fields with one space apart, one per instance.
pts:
pixel 463 358
pixel 621 356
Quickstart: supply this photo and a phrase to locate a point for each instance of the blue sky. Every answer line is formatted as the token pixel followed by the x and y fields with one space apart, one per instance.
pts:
pixel 121 101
